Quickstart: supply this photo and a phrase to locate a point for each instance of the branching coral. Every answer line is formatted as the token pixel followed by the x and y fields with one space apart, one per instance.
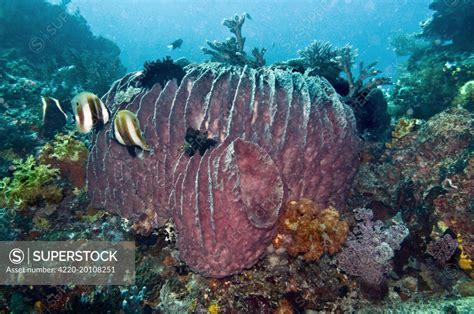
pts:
pixel 232 50
pixel 370 248
pixel 361 93
pixel 408 44
pixel 306 229
pixel 31 182
pixel 321 57
pixel 359 89
pixel 69 155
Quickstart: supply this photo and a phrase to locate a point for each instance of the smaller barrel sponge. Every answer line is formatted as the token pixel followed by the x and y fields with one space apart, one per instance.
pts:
pixel 306 229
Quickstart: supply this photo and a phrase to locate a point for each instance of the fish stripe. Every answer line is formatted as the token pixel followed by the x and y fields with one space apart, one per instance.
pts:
pixel 124 130
pixel 98 108
pixel 45 105
pixel 80 114
pixel 132 130
pixel 117 131
pixel 92 108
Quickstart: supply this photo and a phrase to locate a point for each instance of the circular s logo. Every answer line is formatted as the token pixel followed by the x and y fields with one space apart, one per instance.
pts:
pixel 16 256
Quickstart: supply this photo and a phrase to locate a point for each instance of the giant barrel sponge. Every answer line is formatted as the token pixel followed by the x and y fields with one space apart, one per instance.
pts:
pixel 280 136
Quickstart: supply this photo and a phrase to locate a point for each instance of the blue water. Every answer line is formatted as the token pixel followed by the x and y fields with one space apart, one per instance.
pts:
pixel 143 28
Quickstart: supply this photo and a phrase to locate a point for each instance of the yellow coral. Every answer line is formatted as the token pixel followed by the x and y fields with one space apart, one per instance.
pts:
pixel 213 308
pixel 464 262
pixel 403 128
pixel 311 231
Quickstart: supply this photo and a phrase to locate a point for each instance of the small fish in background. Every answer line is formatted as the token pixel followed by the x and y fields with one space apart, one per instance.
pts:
pixel 54 117
pixel 175 44
pixel 127 132
pixel 248 16
pixel 89 112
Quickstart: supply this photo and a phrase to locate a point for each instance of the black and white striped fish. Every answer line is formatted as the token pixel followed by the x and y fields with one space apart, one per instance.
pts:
pixel 89 112
pixel 54 117
pixel 127 131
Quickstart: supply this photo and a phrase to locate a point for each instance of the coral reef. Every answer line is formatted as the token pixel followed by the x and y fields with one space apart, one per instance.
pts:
pixel 451 21
pixel 30 184
pixel 447 58
pixel 56 39
pixel 310 230
pixel 426 174
pixel 413 93
pixel 274 130
pixel 69 155
pixel 370 247
pixel 52 54
pixel 232 50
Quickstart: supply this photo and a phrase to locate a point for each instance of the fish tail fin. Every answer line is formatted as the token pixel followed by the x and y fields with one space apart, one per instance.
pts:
pixel 99 126
pixel 132 151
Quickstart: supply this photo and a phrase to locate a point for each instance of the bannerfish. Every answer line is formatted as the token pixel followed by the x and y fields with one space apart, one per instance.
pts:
pixel 127 131
pixel 54 117
pixel 89 112
pixel 175 44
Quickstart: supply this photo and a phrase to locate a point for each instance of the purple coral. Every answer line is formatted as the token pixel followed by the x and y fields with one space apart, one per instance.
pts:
pixel 443 248
pixel 370 247
pixel 280 136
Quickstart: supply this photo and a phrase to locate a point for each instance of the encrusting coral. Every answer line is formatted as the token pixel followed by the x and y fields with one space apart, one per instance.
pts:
pixel 306 229
pixel 31 182
pixel 69 155
pixel 232 50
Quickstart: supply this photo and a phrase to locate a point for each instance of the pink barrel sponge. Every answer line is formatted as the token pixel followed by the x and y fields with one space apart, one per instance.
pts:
pixel 280 136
